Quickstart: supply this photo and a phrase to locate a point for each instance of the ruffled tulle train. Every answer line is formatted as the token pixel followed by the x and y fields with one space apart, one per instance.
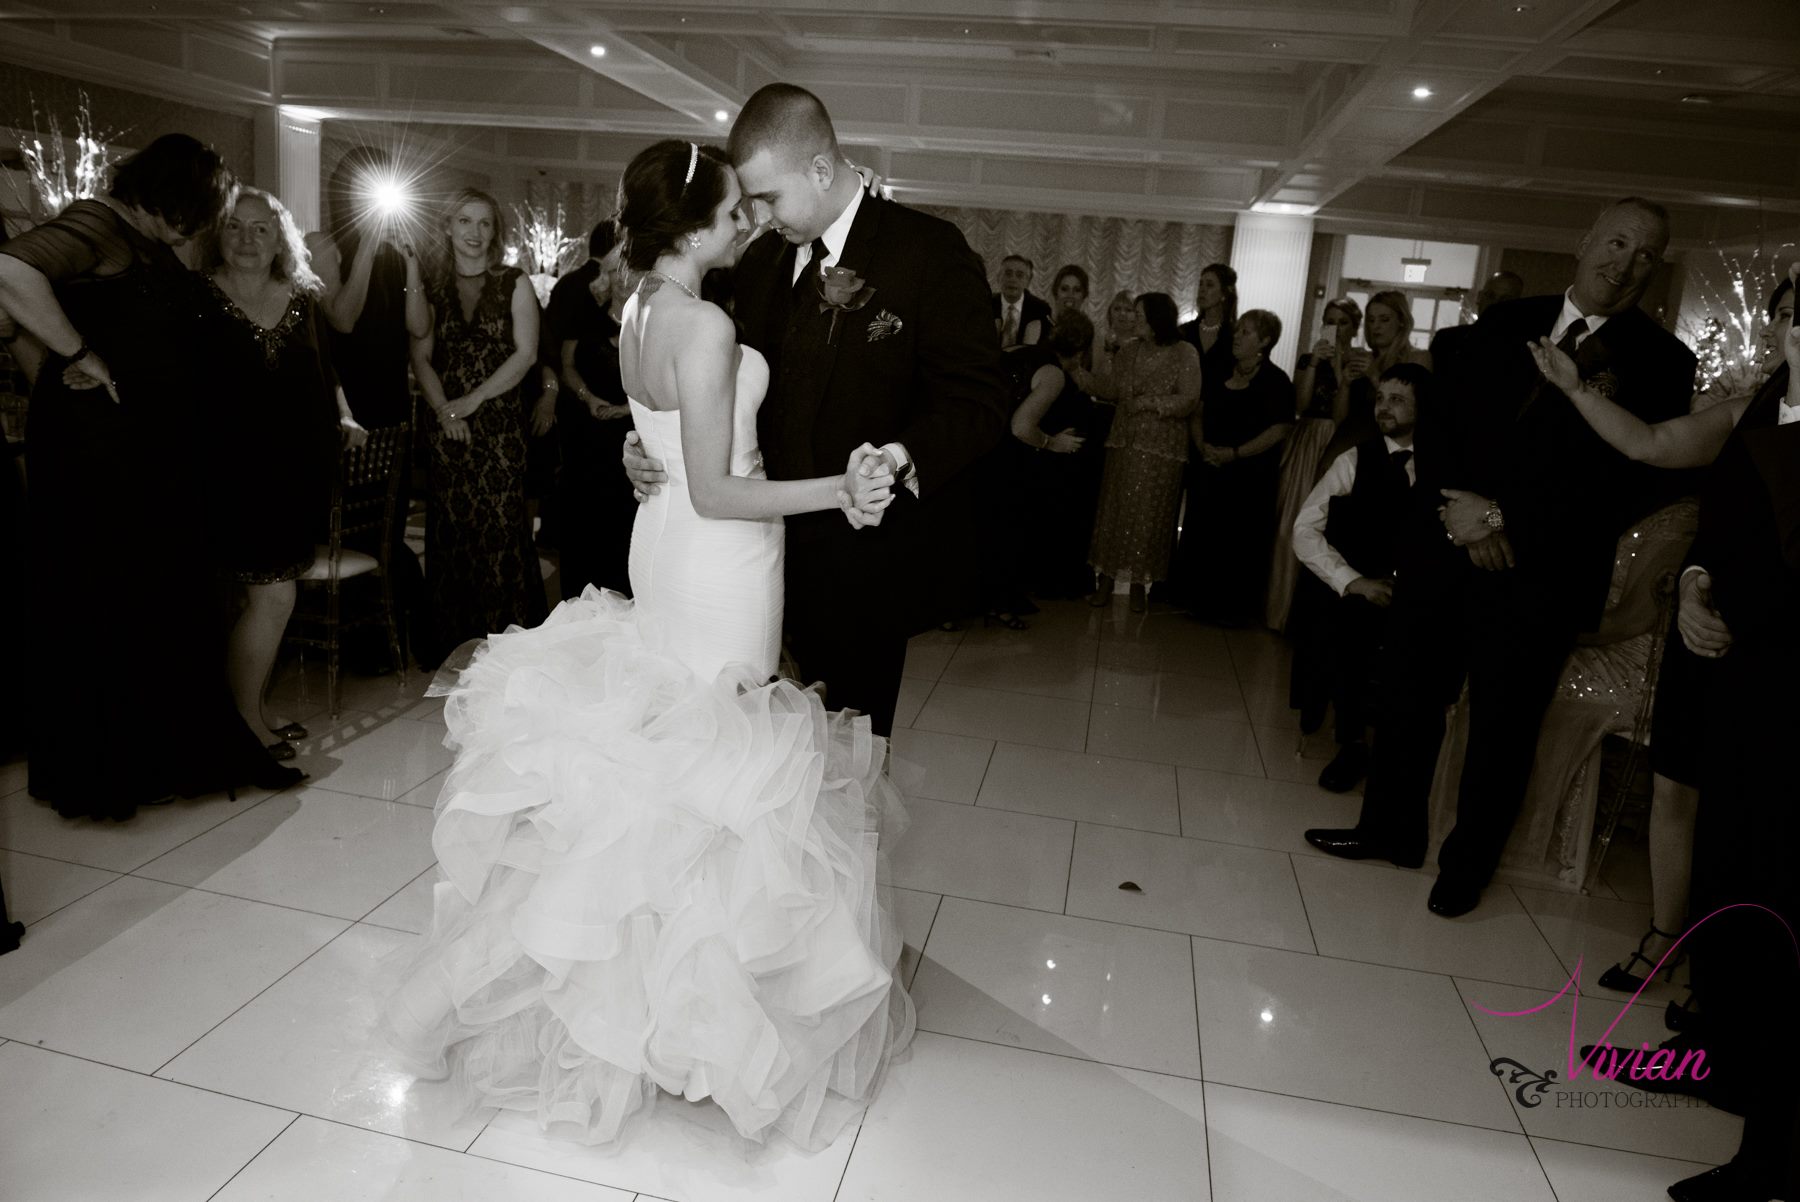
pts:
pixel 653 881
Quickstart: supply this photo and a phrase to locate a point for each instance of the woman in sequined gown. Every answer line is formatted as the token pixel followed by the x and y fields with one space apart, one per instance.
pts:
pixel 1155 384
pixel 273 414
pixel 125 663
pixel 475 333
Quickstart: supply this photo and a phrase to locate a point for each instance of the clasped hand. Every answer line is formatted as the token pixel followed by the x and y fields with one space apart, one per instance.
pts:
pixel 868 486
pixel 1464 515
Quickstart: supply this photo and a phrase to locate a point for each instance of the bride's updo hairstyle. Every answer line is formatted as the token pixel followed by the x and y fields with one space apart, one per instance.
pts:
pixel 669 190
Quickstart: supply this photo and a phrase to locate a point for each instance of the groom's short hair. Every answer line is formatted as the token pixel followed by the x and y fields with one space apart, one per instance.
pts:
pixel 783 119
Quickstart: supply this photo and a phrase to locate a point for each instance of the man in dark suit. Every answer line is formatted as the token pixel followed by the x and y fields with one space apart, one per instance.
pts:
pixel 1020 318
pixel 874 320
pixel 1451 341
pixel 1515 561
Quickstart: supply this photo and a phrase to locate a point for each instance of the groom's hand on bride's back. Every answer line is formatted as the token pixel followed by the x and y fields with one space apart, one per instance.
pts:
pixel 644 472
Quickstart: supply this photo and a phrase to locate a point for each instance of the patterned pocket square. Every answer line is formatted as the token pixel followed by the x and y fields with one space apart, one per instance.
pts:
pixel 885 325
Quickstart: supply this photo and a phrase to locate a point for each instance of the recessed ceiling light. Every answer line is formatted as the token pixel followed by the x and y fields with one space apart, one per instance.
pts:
pixel 721 115
pixel 1422 93
pixel 1523 8
pixel 597 50
pixel 1277 45
pixel 1696 98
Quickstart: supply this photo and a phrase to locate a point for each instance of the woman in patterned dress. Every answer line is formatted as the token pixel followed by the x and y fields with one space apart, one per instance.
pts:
pixel 475 333
pixel 275 416
pixel 1155 384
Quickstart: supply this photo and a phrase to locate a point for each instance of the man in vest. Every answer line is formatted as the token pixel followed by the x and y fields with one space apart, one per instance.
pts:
pixel 1348 533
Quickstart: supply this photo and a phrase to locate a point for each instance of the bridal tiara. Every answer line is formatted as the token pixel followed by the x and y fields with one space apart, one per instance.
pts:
pixel 693 162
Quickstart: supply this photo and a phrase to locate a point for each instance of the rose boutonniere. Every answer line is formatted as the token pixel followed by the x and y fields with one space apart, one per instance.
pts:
pixel 841 291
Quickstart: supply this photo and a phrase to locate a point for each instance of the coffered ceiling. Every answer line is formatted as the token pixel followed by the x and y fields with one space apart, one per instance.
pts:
pixel 1463 118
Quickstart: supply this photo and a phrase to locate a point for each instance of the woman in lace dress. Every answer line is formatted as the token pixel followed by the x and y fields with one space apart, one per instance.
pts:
pixel 1155 383
pixel 274 417
pixel 475 334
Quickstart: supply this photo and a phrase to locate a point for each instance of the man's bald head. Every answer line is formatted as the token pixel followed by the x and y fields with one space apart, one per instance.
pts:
pixel 787 121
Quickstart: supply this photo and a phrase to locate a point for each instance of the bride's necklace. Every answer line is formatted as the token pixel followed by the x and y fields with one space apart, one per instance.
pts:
pixel 671 279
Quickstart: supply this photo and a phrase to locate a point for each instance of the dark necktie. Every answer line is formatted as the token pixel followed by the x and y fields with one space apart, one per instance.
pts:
pixel 814 266
pixel 1399 458
pixel 1571 336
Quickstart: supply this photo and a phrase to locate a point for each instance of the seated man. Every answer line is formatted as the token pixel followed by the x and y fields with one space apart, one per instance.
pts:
pixel 1347 534
pixel 1496 585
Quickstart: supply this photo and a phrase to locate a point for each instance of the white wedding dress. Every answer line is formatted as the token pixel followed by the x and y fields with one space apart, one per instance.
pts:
pixel 659 861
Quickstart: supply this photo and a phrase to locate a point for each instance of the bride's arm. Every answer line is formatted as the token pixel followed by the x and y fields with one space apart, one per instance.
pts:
pixel 706 384
pixel 1691 440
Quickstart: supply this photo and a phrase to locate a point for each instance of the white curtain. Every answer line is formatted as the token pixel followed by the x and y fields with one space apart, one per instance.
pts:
pixel 1119 253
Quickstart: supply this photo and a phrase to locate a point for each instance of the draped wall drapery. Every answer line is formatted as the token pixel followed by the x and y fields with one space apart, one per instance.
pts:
pixel 1118 253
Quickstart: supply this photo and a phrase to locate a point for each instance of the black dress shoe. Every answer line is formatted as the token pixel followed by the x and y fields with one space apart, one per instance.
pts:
pixel 1730 1182
pixel 1349 844
pixel 1452 898
pixel 1346 769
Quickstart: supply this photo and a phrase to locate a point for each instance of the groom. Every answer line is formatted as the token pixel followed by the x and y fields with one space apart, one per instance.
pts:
pixel 875 321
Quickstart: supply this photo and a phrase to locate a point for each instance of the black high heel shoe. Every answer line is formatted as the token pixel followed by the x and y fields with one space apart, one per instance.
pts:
pixel 1621 978
pixel 1010 621
pixel 1677 1015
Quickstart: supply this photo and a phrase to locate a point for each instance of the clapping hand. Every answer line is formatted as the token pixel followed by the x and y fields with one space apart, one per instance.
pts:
pixel 868 486
pixel 1556 365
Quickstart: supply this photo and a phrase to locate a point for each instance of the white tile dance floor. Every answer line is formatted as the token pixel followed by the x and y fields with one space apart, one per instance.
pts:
pixel 189 1017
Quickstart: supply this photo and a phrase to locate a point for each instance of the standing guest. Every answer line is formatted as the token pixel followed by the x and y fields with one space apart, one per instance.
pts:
pixel 1069 290
pixel 129 704
pixel 1122 325
pixel 368 269
pixel 1154 385
pixel 592 413
pixel 274 417
pixel 1348 534
pixel 1315 390
pixel 1020 317
pixel 1387 328
pixel 477 338
pixel 1211 331
pixel 1519 561
pixel 1034 380
pixel 1062 481
pixel 1223 560
pixel 1450 341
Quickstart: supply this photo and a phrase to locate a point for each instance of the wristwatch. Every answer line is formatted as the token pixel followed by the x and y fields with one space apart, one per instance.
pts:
pixel 1493 518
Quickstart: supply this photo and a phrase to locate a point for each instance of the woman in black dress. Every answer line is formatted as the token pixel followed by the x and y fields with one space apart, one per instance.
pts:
pixel 274 416
pixel 1230 524
pixel 480 338
pixel 1062 481
pixel 125 663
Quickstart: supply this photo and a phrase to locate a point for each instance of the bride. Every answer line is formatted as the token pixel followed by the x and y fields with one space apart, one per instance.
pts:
pixel 659 859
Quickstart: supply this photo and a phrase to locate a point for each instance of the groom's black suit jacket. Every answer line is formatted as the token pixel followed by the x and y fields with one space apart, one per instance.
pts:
pixel 916 364
pixel 1500 430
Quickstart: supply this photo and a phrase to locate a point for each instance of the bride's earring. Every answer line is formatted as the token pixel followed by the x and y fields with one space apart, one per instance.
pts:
pixel 693 241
